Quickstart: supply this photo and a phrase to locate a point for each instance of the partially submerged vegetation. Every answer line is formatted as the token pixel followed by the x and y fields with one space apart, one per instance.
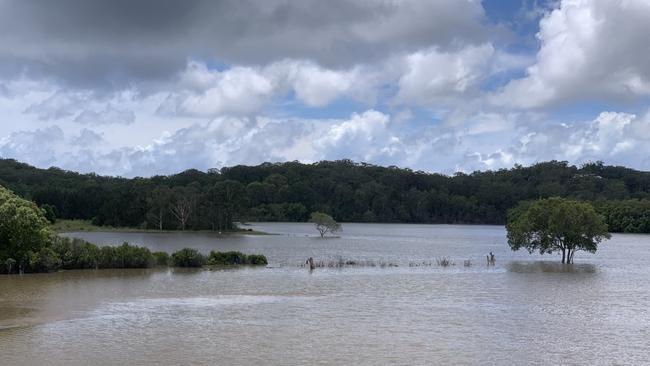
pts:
pixel 556 225
pixel 71 253
pixel 340 262
pixel 188 257
pixel 324 223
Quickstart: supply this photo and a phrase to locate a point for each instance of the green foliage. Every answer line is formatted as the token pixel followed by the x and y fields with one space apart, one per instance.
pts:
pixel 26 244
pixel 257 260
pixel 235 258
pixel 161 258
pixel 76 253
pixel 556 224
pixel 50 213
pixel 125 256
pixel 324 223
pixel 188 257
pixel 23 230
pixel 44 260
pixel 626 216
pixel 348 191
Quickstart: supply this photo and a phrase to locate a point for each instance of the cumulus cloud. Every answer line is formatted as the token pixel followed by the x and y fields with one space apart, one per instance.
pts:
pixel 109 115
pixel 589 50
pixel 203 92
pixel 489 141
pixel 253 140
pixel 37 146
pixel 87 138
pixel 239 90
pixel 434 76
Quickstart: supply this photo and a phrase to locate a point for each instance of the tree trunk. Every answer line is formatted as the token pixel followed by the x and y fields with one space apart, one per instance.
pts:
pixel 563 254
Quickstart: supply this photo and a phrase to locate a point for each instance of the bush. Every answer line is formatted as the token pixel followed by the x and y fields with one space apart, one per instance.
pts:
pixel 76 253
pixel 235 258
pixel 44 260
pixel 126 256
pixel 161 258
pixel 188 257
pixel 226 258
pixel 257 260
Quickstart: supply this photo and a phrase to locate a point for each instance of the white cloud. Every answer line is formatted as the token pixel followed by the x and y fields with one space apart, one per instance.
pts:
pixel 435 76
pixel 244 91
pixel 237 91
pixel 109 115
pixel 37 146
pixel 87 138
pixel 590 49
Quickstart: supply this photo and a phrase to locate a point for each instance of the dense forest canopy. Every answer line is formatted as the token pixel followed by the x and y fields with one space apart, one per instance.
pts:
pixel 348 191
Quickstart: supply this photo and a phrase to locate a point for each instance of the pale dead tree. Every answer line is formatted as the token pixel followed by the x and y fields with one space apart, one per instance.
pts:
pixel 159 202
pixel 157 217
pixel 182 209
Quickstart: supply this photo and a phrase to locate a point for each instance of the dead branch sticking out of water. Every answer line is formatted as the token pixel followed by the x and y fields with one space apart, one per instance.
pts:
pixel 441 262
pixel 341 263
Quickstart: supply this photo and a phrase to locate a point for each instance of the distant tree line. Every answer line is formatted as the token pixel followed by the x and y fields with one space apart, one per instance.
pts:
pixel 348 191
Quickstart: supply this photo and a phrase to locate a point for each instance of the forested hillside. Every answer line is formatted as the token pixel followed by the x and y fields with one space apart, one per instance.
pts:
pixel 348 191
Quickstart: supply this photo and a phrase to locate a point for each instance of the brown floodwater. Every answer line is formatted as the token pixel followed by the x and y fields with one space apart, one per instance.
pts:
pixel 525 310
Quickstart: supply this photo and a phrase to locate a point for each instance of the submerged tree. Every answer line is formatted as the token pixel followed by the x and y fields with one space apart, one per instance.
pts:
pixel 324 223
pixel 556 224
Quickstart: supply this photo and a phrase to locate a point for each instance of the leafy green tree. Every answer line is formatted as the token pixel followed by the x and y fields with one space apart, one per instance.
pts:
pixel 50 212
pixel 232 196
pixel 324 223
pixel 23 229
pixel 556 224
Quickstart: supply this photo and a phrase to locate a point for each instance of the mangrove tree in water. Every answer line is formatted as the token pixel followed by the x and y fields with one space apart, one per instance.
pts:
pixel 324 223
pixel 556 225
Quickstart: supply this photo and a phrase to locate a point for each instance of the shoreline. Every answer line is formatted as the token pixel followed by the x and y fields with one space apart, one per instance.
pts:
pixel 72 226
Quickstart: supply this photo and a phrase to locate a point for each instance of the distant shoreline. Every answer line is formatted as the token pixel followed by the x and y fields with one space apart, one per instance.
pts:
pixel 71 226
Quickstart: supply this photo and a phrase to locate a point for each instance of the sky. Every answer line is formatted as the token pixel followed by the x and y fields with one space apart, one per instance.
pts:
pixel 139 88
